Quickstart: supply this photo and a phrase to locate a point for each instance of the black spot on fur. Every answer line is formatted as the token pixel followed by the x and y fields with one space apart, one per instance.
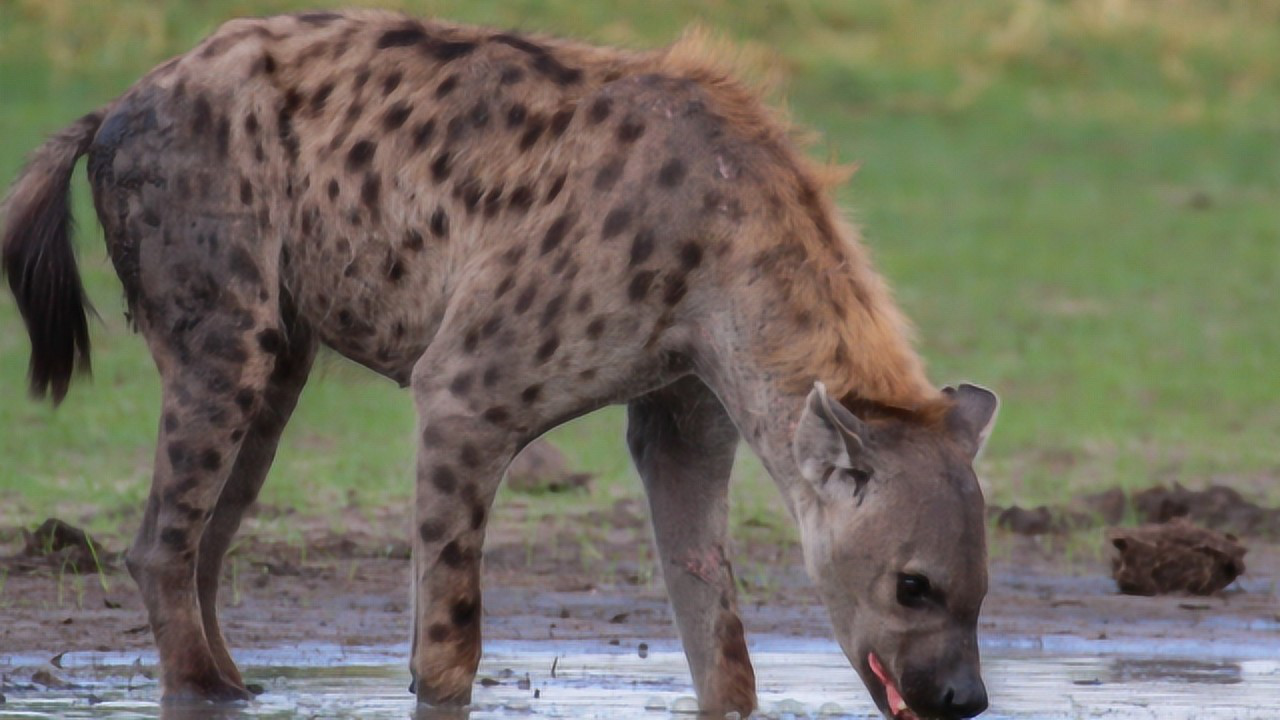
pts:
pixel 320 98
pixel 630 130
pixel 496 415
pixel 471 341
pixel 431 531
pixel 464 612
pixel 556 186
pixel 521 198
pixel 532 132
pixel 530 394
pixel 469 456
pixel 547 348
pixel 504 287
pixel 413 240
pixel 395 116
pixel 318 18
pixel 491 376
pixel 391 82
pixel 584 303
pixel 595 328
pixel 242 266
pixel 210 460
pixel 224 347
pixel 422 134
pixel 170 422
pixel 489 329
pixel 200 116
pixel 477 516
pixel 672 173
pixel 245 398
pixel 552 310
pixel 510 75
pixel 271 341
pixel 360 155
pixel 223 135
pixel 690 255
pixel 452 555
pixel 370 191
pixel 440 223
pixel 333 189
pixel 440 167
pixel 444 479
pixel 246 192
pixel 470 191
pixel 639 286
pixel 403 36
pixel 615 222
pixel 447 86
pixel 525 299
pixel 251 124
pixel 607 176
pixel 600 110
pixel 461 384
pixel 641 247
pixel 557 232
pixel 675 290
pixel 560 121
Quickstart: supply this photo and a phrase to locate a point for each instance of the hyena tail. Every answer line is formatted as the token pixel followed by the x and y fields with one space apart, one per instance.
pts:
pixel 41 262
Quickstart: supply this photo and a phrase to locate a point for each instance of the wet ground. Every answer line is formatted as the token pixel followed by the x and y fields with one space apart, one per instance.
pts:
pixel 578 629
pixel 550 680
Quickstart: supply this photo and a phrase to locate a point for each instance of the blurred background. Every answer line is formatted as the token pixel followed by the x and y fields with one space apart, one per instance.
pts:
pixel 1077 201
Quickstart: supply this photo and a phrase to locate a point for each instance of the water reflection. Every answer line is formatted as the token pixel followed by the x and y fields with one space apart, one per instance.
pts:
pixel 518 682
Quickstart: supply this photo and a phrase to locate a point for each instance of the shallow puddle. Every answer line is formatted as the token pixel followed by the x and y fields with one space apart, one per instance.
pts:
pixel 797 680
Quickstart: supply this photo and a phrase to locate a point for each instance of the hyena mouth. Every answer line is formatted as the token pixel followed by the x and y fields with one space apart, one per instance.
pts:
pixel 893 697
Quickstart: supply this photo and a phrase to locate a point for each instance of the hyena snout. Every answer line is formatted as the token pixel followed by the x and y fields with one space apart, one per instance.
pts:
pixel 951 694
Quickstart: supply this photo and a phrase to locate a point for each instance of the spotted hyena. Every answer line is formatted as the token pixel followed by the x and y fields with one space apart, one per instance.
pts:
pixel 521 230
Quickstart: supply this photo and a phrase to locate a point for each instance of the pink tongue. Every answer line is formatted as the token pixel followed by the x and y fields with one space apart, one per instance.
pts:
pixel 897 705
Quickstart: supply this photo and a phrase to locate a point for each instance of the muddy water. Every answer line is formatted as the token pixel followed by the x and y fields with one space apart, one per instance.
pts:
pixel 797 679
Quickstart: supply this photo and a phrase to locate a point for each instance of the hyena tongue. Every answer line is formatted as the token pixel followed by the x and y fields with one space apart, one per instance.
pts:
pixel 897 706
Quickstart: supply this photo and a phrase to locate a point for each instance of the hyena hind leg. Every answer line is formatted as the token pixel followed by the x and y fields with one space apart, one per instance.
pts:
pixel 257 451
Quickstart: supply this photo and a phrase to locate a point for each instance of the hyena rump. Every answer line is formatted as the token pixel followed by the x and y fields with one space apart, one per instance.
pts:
pixel 521 230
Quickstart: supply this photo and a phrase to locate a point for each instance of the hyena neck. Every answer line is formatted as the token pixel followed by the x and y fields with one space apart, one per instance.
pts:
pixel 765 397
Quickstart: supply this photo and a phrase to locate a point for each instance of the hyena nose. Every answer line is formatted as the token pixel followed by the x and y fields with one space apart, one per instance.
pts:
pixel 965 699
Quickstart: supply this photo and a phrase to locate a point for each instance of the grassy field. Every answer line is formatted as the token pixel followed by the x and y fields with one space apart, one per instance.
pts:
pixel 1076 200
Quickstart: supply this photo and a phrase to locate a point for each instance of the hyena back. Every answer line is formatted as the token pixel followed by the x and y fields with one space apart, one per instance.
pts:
pixel 522 230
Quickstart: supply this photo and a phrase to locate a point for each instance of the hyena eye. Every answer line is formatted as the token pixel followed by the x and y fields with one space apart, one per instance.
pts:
pixel 913 589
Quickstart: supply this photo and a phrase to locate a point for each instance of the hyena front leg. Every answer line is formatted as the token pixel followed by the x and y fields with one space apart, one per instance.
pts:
pixel 466 447
pixel 683 443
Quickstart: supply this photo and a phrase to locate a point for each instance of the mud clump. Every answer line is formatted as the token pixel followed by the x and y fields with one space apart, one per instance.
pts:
pixel 57 544
pixel 1174 557
pixel 541 467
pixel 1217 506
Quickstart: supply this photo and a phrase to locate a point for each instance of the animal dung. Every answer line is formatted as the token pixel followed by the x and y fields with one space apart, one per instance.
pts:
pixel 1174 557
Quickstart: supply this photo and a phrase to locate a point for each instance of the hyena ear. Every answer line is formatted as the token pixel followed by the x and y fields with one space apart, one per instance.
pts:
pixel 827 438
pixel 971 417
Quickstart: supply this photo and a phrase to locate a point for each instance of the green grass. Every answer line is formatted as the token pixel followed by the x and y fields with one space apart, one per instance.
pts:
pixel 1075 200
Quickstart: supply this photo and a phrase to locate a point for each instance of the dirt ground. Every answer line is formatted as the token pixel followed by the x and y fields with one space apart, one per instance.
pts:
pixel 597 584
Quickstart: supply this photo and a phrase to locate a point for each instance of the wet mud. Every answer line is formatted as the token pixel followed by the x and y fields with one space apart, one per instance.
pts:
pixel 576 625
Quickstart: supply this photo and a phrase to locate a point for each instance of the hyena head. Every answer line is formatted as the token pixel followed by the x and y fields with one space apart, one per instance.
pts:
pixel 894 538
